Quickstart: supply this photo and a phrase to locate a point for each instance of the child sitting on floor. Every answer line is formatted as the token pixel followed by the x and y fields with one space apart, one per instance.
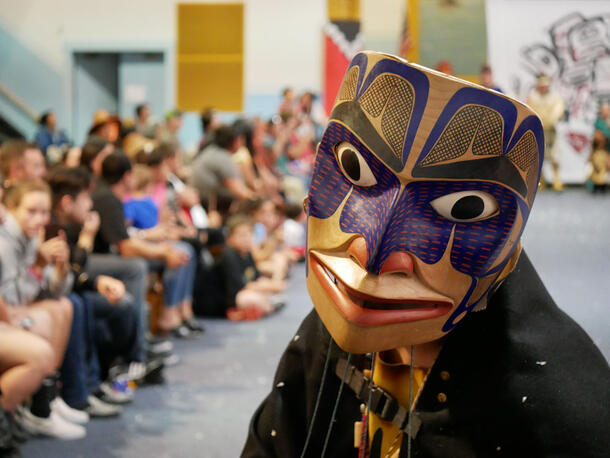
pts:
pixel 247 295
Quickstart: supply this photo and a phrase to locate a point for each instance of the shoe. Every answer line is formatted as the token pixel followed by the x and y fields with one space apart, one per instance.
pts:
pixel 193 325
pixel 53 426
pixel 183 332
pixel 171 360
pixel 160 346
pixel 134 371
pixel 110 395
pixel 18 431
pixel 154 373
pixel 78 417
pixel 100 409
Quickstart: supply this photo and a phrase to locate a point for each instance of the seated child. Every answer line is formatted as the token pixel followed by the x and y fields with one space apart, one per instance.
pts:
pixel 246 293
pixel 270 257
pixel 140 209
pixel 294 229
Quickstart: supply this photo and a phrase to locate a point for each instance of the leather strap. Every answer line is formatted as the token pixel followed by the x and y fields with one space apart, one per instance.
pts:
pixel 383 404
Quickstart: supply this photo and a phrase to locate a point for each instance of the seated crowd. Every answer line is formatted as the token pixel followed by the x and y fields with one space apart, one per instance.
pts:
pixel 110 250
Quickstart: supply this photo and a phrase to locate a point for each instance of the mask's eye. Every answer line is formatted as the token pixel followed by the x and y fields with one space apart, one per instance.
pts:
pixel 353 165
pixel 466 206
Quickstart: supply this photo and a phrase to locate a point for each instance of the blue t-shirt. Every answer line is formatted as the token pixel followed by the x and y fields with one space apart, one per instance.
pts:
pixel 142 213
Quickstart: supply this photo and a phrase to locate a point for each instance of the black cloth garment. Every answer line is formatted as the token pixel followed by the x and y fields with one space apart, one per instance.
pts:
pixel 236 271
pixel 520 379
pixel 112 219
pixel 78 256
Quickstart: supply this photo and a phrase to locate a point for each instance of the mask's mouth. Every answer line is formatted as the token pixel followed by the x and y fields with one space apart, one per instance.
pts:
pixel 372 300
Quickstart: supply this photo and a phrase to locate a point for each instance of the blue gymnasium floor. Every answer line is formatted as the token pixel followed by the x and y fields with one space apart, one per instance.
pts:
pixel 205 407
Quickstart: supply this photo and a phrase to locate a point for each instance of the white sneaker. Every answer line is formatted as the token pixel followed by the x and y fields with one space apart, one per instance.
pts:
pixel 53 426
pixel 66 412
pixel 99 408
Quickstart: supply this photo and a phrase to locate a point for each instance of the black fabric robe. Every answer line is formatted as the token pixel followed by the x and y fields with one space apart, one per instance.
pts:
pixel 524 381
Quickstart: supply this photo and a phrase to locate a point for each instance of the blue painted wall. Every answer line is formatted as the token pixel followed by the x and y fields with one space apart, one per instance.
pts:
pixel 32 80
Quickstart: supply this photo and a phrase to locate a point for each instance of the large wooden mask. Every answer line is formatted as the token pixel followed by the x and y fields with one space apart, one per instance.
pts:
pixel 421 189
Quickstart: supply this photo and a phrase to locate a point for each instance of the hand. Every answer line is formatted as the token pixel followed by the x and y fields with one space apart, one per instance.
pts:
pixel 91 223
pixel 54 250
pixel 175 258
pixel 188 197
pixel 111 288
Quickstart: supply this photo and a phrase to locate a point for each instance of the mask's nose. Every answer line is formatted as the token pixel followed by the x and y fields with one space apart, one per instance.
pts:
pixel 397 261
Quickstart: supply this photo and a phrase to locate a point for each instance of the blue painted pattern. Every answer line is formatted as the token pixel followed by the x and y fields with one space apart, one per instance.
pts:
pixel 417 228
pixel 367 210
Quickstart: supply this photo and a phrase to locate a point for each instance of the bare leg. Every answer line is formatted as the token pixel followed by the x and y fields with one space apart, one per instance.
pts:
pixel 248 298
pixel 52 321
pixel 25 359
pixel 186 310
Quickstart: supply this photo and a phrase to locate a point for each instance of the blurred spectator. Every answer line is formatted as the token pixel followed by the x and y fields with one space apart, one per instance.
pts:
pixel 550 108
pixel 49 135
pixel 287 105
pixel 486 78
pixel 311 111
pixel 215 175
pixel 21 161
pixel 602 123
pixel 210 121
pixel 112 315
pixel 247 295
pixel 243 156
pixel 175 261
pixel 600 162
pixel 140 209
pixel 32 269
pixel 268 239
pixel 138 147
pixel 294 230
pixel 93 154
pixel 106 126
pixel 168 131
pixel 444 66
pixel 144 124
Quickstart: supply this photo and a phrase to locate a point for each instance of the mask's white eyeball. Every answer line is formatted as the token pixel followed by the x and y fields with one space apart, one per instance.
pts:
pixel 466 206
pixel 353 165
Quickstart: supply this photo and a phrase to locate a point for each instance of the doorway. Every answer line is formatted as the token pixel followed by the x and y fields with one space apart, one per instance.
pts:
pixel 117 82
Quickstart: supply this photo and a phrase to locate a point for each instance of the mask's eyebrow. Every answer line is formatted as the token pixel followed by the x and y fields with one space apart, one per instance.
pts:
pixel 350 114
pixel 498 168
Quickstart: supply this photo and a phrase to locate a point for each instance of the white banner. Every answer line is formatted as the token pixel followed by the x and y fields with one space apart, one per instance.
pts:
pixel 566 40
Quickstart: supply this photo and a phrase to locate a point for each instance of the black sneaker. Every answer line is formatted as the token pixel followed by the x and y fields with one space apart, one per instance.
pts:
pixel 154 373
pixel 183 332
pixel 193 325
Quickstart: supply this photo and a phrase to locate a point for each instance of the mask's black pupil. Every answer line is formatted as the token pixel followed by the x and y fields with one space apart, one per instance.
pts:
pixel 468 207
pixel 350 164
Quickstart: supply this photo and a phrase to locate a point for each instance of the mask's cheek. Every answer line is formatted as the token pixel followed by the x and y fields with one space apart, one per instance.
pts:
pixel 326 233
pixel 511 242
pixel 443 277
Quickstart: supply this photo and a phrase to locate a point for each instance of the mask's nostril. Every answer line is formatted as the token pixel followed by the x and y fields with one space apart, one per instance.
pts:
pixel 358 252
pixel 398 262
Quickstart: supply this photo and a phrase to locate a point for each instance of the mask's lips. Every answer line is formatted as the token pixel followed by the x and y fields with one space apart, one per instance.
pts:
pixel 373 300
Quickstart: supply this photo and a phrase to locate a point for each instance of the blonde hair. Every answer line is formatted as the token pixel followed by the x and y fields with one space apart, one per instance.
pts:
pixel 142 176
pixel 14 194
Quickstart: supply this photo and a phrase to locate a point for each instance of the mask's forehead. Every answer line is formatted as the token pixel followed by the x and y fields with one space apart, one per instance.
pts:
pixel 425 125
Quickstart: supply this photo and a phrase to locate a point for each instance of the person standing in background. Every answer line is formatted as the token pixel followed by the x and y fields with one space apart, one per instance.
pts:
pixel 51 141
pixel 602 123
pixel 550 108
pixel 144 124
